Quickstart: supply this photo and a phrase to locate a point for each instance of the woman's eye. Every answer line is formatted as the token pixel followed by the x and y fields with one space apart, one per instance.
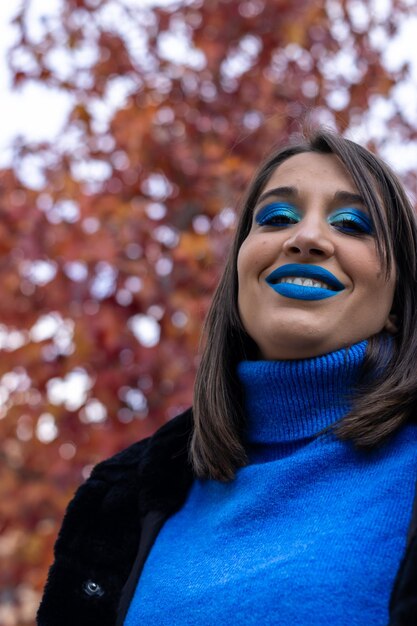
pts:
pixel 352 223
pixel 277 215
pixel 277 220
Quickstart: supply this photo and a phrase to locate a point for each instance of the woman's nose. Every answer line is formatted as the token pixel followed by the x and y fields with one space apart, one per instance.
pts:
pixel 309 238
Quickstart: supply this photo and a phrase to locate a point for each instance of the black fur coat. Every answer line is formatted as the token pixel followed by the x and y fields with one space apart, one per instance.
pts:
pixel 113 520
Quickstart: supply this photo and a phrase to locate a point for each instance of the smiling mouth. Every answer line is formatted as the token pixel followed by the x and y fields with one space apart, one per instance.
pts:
pixel 304 276
pixel 305 282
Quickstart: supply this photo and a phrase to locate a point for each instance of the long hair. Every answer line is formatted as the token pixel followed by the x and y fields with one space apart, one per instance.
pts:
pixel 381 403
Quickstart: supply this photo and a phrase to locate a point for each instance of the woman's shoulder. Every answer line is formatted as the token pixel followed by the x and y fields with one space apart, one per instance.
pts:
pixel 168 443
pixel 152 471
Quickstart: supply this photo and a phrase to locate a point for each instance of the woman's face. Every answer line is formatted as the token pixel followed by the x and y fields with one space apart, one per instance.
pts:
pixel 311 215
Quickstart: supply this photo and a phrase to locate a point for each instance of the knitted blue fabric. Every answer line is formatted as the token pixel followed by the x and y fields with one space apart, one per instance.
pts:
pixel 311 532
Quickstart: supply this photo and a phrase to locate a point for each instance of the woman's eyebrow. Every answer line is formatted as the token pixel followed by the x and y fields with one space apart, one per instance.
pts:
pixel 348 197
pixel 287 192
pixel 343 197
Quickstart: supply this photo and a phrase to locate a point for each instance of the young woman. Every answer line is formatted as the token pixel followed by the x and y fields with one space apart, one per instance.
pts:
pixel 285 495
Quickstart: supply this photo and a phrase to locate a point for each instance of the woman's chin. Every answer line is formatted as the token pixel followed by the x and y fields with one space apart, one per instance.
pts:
pixel 301 346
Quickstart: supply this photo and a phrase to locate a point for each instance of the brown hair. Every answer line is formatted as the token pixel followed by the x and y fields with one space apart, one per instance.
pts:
pixel 382 403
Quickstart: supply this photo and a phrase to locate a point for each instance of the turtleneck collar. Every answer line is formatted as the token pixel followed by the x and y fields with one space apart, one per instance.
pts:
pixel 290 400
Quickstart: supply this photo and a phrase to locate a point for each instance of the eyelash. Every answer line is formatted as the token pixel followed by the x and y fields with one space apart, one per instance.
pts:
pixel 272 214
pixel 359 226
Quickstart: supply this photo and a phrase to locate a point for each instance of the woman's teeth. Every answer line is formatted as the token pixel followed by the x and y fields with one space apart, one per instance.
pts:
pixel 305 282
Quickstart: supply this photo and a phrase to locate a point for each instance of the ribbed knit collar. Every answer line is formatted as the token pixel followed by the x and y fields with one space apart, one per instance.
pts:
pixel 287 401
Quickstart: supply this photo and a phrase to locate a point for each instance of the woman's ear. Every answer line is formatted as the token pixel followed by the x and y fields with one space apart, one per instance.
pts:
pixel 391 325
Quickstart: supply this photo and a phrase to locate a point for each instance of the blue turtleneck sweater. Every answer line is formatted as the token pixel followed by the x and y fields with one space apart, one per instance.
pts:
pixel 310 532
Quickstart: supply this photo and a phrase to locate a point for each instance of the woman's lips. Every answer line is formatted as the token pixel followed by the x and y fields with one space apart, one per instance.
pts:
pixel 303 292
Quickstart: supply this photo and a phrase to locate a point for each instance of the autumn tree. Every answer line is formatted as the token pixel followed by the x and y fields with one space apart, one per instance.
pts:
pixel 113 236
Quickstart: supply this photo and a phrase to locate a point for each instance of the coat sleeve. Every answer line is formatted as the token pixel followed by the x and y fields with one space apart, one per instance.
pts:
pixel 95 547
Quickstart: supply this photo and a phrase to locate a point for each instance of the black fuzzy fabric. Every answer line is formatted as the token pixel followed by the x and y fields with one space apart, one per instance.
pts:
pixel 99 538
pixel 100 534
pixel 403 603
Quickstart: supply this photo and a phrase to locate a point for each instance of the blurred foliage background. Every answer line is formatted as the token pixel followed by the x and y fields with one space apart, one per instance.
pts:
pixel 113 236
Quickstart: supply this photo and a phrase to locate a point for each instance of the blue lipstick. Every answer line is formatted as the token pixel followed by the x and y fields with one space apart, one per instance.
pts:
pixel 299 292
